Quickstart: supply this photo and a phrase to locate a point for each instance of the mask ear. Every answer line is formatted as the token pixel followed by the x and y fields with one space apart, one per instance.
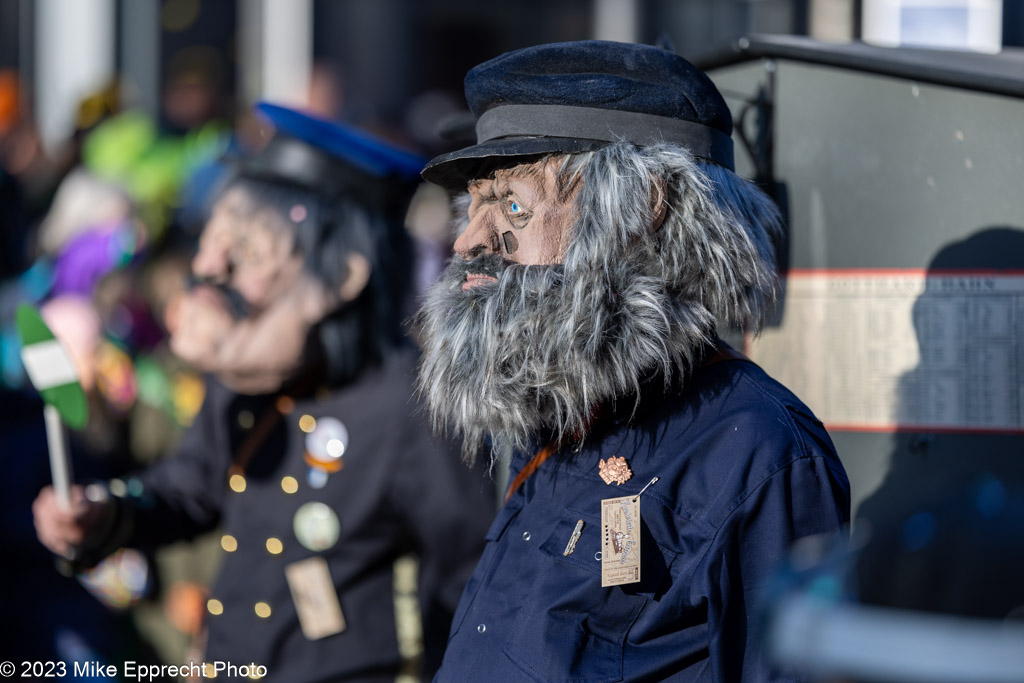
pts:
pixel 358 276
pixel 658 204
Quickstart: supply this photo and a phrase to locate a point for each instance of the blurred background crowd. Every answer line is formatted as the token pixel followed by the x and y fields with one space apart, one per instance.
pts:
pixel 114 115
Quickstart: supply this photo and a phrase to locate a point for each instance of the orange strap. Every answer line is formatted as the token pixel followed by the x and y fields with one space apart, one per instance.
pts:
pixel 267 422
pixel 531 467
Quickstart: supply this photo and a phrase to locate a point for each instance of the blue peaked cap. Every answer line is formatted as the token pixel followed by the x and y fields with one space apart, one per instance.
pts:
pixel 580 96
pixel 314 151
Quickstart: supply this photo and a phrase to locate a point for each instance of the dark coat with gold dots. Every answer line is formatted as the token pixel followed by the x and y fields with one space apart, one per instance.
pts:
pixel 399 491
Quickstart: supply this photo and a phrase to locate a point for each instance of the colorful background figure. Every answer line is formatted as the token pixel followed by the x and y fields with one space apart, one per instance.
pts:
pixel 306 451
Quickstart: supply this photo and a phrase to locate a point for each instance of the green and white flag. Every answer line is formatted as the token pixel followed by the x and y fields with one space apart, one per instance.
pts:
pixel 50 369
pixel 53 374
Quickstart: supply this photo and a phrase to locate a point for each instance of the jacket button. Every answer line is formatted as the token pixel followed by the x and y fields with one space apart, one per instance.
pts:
pixel 237 482
pixel 526 536
pixel 481 628
pixel 262 610
pixel 246 419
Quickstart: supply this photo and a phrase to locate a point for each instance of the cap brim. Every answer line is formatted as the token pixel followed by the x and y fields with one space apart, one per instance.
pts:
pixel 356 147
pixel 455 169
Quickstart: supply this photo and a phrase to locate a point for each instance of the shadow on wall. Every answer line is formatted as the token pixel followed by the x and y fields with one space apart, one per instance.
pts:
pixel 982 342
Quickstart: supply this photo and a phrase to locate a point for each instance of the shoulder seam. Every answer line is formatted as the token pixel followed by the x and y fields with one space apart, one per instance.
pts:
pixel 784 410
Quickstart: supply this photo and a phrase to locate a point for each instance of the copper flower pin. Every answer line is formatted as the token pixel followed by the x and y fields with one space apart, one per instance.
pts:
pixel 614 470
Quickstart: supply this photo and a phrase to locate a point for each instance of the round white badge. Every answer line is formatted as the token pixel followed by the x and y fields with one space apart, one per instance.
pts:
pixel 328 441
pixel 316 526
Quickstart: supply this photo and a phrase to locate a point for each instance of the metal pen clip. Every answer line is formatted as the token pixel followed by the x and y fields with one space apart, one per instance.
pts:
pixel 571 545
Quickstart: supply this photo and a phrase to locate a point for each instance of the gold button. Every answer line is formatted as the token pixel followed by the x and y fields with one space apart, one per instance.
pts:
pixel 274 546
pixel 237 483
pixel 229 543
pixel 289 485
pixel 262 610
pixel 214 607
pixel 307 423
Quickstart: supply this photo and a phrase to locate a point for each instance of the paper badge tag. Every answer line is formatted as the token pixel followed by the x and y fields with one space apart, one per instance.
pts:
pixel 620 540
pixel 316 601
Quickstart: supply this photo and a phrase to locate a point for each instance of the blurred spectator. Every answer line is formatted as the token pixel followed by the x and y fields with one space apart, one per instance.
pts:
pixel 429 223
pixel 9 100
pixel 46 616
pixel 13 221
pixel 13 226
pixel 95 248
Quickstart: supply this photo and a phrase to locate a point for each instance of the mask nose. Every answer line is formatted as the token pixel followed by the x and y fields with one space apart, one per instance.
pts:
pixel 212 262
pixel 477 239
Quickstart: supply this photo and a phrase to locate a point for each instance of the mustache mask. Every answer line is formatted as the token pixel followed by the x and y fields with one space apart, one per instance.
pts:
pixel 236 304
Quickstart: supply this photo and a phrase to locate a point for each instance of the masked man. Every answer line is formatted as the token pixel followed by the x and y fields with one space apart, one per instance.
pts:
pixel 305 450
pixel 657 475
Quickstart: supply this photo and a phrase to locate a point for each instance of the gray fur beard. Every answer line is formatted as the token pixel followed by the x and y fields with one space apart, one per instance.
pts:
pixel 534 355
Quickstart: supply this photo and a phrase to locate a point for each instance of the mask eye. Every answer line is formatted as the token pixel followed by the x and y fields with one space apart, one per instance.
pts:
pixel 516 213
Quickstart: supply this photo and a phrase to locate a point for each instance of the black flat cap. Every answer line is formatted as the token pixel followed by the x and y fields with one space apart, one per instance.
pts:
pixel 576 97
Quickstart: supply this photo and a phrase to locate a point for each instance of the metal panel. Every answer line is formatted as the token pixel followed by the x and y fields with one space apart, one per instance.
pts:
pixel 873 161
pixel 885 172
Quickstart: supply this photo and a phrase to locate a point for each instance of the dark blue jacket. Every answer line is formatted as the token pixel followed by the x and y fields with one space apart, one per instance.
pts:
pixel 744 469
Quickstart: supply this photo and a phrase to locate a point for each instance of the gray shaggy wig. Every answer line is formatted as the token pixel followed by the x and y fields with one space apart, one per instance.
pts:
pixel 533 356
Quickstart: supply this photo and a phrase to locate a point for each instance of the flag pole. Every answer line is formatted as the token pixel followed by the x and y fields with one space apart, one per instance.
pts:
pixel 60 466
